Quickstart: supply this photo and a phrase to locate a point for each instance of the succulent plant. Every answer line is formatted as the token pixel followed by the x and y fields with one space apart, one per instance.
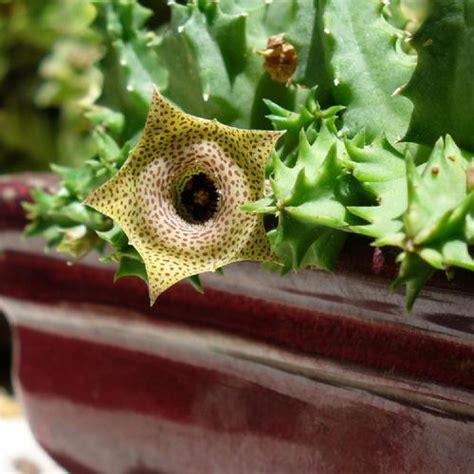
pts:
pixel 368 66
pixel 377 138
pixel 308 197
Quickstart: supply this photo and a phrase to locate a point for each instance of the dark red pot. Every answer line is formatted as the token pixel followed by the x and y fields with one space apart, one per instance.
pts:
pixel 312 373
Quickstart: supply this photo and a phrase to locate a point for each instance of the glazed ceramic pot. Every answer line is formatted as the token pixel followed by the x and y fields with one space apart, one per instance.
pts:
pixel 312 373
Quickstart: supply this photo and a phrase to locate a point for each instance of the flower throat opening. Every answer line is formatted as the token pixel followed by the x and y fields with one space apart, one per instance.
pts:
pixel 198 199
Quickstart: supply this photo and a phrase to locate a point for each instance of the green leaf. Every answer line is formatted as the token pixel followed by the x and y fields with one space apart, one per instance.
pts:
pixel 313 198
pixel 298 245
pixel 115 237
pixel 439 189
pixel 434 231
pixel 195 282
pixel 132 66
pixel 442 87
pixel 381 170
pixel 367 68
pixel 414 273
pixel 309 198
pixel 131 267
pixel 262 206
pixel 295 122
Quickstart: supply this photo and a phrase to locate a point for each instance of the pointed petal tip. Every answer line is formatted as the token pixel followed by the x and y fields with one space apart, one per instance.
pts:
pixel 153 294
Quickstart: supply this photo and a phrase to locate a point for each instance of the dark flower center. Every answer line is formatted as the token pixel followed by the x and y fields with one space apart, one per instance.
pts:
pixel 199 199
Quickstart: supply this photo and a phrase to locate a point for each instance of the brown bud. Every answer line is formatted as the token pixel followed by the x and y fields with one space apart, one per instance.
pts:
pixel 280 58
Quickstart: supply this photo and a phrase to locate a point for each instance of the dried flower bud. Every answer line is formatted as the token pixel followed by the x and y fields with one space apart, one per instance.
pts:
pixel 281 58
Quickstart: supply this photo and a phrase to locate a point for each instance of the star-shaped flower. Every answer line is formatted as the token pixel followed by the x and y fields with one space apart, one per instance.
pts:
pixel 178 196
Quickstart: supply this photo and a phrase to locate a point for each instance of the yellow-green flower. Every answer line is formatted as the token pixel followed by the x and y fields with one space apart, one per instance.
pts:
pixel 178 195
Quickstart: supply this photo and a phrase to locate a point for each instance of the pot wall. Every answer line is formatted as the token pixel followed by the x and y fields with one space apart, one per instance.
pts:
pixel 107 390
